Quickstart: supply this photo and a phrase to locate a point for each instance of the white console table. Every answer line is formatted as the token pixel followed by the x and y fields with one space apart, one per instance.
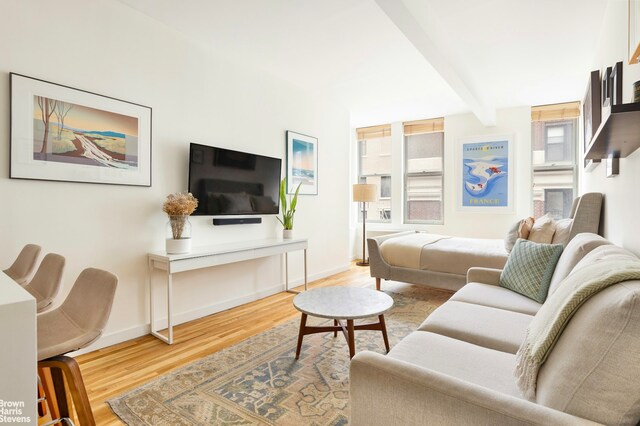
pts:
pixel 205 257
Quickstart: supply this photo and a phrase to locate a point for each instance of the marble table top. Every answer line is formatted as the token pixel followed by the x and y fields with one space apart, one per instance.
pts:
pixel 342 302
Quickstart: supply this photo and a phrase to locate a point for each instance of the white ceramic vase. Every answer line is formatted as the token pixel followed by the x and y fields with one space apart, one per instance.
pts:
pixel 287 234
pixel 179 246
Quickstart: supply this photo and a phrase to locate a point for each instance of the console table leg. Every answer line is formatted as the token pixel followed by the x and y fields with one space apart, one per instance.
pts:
pixel 303 325
pixel 305 269
pixel 151 304
pixel 169 317
pixel 383 327
pixel 286 271
pixel 352 343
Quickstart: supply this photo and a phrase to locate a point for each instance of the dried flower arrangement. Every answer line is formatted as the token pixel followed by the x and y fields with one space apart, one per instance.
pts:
pixel 178 206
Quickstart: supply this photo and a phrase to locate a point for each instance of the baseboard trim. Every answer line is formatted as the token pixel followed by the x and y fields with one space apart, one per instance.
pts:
pixel 120 336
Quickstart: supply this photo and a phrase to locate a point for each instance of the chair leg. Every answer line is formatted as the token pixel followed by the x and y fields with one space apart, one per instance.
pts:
pixel 49 392
pixel 67 366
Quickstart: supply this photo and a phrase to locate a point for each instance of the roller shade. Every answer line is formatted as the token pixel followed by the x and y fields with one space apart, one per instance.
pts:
pixel 374 132
pixel 423 126
pixel 555 111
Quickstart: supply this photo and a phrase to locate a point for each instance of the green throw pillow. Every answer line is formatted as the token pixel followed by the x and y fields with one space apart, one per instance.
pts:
pixel 529 268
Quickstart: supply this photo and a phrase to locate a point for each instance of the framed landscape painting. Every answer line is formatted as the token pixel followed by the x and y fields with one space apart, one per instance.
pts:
pixel 64 134
pixel 485 175
pixel 302 163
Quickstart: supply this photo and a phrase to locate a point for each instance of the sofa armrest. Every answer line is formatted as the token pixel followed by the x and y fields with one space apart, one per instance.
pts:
pixel 377 266
pixel 484 275
pixel 386 391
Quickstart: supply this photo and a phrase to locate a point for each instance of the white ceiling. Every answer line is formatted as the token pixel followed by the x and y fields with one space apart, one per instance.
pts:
pixel 395 60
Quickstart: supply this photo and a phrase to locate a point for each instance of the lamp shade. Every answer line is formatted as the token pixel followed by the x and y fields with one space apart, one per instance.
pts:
pixel 365 192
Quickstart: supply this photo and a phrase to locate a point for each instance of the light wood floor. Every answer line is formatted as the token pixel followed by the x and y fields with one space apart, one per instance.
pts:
pixel 112 371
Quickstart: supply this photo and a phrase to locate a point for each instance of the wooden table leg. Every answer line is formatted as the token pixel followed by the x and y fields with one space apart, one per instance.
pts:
pixel 303 323
pixel 384 332
pixel 335 324
pixel 352 343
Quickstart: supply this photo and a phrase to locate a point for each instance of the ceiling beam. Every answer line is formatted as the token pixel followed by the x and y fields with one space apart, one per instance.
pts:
pixel 409 26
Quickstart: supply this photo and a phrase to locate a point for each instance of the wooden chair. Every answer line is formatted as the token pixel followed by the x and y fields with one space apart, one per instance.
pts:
pixel 77 323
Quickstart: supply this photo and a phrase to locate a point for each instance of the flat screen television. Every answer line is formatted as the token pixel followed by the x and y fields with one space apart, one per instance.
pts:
pixel 227 182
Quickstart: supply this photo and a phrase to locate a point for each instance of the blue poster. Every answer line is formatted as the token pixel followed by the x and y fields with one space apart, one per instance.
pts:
pixel 485 171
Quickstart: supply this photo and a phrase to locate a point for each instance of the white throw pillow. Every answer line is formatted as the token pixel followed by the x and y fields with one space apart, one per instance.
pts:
pixel 512 236
pixel 563 229
pixel 543 230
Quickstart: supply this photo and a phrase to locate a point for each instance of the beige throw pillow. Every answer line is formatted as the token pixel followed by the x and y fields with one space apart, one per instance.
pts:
pixel 525 228
pixel 542 230
pixel 563 230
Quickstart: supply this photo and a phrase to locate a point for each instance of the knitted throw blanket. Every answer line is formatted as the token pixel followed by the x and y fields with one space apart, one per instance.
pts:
pixel 558 309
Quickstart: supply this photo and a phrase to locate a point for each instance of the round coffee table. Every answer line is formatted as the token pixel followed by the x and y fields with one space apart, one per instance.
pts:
pixel 342 303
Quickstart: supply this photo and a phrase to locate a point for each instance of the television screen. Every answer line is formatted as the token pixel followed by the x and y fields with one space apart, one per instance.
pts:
pixel 227 182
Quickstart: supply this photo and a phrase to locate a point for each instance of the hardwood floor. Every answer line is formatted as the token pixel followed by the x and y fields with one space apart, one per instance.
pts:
pixel 112 371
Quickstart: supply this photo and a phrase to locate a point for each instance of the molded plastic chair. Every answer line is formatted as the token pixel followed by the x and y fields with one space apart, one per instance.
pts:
pixel 75 324
pixel 24 264
pixel 46 282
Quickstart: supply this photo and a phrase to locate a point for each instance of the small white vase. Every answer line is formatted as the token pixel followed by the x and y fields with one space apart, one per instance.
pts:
pixel 287 234
pixel 179 246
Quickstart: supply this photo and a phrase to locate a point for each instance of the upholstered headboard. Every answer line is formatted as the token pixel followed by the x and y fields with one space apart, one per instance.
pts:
pixel 585 213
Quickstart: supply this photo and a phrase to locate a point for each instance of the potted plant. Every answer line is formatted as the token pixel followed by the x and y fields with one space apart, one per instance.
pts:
pixel 178 207
pixel 287 211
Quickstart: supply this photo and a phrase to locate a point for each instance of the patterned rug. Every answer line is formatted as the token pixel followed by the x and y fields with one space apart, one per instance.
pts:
pixel 258 381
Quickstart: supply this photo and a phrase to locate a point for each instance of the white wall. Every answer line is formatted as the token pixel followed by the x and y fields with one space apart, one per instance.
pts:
pixel 511 121
pixel 622 193
pixel 105 47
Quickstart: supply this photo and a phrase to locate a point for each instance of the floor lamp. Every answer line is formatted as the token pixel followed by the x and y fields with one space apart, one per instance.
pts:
pixel 364 193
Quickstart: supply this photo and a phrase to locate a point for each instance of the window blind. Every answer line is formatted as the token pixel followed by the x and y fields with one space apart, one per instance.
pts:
pixel 423 126
pixel 374 132
pixel 555 111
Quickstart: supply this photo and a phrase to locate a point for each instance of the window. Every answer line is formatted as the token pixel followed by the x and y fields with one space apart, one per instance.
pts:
pixel 423 166
pixel 374 166
pixel 554 146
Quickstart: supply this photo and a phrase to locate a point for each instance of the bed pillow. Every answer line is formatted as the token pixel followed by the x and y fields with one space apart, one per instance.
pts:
pixel 525 227
pixel 563 231
pixel 542 230
pixel 529 269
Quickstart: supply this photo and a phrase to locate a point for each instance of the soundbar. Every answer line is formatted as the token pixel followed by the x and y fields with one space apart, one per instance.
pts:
pixel 237 221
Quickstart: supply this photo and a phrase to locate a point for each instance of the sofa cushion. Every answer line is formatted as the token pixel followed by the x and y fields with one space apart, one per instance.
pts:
pixel 496 297
pixel 485 367
pixel 491 328
pixel 593 370
pixel 530 267
pixel 542 230
pixel 456 255
pixel 578 247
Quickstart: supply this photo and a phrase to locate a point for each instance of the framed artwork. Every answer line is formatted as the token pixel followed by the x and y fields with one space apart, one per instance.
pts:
pixel 616 84
pixel 485 176
pixel 606 87
pixel 64 134
pixel 302 163
pixel 592 108
pixel 634 31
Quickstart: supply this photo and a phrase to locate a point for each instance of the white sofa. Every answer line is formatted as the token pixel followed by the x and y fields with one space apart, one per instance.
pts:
pixel 445 262
pixel 458 367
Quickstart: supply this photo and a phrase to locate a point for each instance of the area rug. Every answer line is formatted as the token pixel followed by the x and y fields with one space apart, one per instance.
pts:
pixel 259 382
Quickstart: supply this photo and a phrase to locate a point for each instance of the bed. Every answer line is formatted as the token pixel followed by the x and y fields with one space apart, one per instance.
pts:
pixel 442 261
